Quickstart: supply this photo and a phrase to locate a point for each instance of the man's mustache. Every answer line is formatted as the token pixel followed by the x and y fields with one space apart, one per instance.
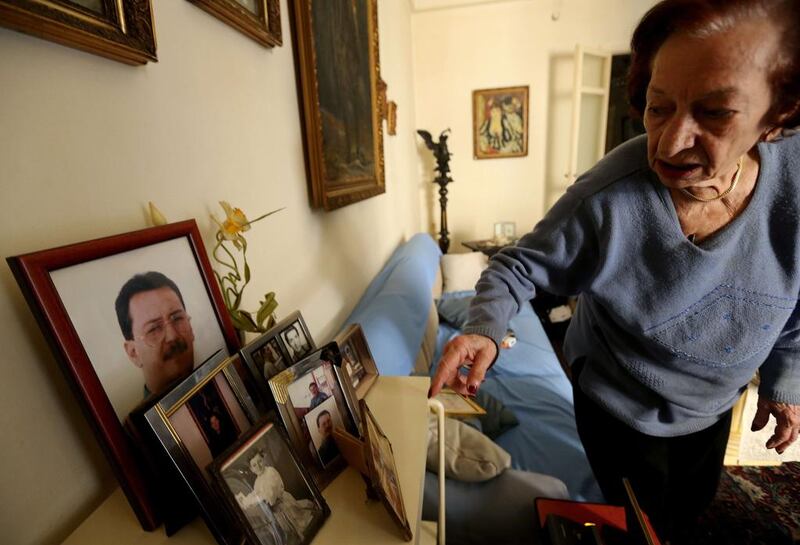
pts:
pixel 178 346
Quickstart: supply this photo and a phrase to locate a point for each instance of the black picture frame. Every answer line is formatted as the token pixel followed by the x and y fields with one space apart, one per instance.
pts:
pixel 228 472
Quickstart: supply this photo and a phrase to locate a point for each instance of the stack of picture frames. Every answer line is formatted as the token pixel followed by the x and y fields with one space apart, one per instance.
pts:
pixel 192 422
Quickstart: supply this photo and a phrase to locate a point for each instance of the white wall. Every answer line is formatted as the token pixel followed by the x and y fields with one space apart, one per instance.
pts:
pixel 84 144
pixel 504 44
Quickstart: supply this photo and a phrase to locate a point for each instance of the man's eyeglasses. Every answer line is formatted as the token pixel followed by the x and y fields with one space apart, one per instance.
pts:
pixel 155 331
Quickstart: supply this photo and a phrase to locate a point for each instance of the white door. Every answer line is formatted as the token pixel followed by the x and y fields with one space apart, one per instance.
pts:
pixel 589 110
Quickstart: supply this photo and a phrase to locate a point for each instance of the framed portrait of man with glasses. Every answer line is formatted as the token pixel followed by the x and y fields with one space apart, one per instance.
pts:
pixel 127 316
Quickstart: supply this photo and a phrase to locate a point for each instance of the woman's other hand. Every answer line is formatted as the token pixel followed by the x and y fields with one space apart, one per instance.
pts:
pixel 474 351
pixel 788 422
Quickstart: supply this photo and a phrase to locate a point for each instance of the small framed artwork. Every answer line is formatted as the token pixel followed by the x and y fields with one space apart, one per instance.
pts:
pixel 312 400
pixel 194 423
pixel 505 230
pixel 126 316
pixel 500 122
pixel 268 490
pixel 357 361
pixel 258 19
pixel 457 405
pixel 383 471
pixel 122 31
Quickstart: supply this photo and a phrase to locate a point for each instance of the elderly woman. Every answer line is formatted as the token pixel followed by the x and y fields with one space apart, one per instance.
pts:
pixel 685 250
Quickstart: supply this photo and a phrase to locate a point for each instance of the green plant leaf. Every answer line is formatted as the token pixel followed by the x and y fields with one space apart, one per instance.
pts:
pixel 243 321
pixel 234 281
pixel 267 308
pixel 238 323
pixel 265 215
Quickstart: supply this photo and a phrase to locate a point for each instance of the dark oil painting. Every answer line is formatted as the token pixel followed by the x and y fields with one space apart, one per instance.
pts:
pixel 342 44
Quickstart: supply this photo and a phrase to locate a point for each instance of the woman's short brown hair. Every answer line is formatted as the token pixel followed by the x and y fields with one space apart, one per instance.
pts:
pixel 703 17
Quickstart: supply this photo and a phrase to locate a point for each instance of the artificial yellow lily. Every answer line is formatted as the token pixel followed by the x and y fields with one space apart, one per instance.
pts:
pixel 155 215
pixel 235 273
pixel 236 220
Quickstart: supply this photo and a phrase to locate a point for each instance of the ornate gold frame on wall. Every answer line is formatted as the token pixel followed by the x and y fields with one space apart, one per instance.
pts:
pixel 124 32
pixel 323 191
pixel 265 28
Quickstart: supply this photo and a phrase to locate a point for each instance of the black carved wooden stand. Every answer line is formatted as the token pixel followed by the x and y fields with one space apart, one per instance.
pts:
pixel 444 240
pixel 442 156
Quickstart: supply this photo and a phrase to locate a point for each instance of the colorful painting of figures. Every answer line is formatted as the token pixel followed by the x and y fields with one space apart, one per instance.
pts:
pixel 500 122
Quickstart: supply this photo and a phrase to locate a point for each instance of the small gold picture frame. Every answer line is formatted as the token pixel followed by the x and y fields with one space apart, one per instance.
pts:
pixel 457 405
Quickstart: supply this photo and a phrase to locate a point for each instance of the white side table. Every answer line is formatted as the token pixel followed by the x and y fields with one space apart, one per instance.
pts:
pixel 399 404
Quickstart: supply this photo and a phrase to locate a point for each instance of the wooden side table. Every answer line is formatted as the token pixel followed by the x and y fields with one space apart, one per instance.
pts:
pixel 353 520
pixel 487 246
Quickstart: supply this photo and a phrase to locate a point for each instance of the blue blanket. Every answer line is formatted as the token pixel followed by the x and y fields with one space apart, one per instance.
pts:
pixel 394 309
pixel 527 378
pixel 529 381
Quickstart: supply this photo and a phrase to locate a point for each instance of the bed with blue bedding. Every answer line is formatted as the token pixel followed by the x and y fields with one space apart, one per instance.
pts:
pixel 527 378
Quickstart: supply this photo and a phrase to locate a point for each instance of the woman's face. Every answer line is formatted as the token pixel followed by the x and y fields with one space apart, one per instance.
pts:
pixel 707 103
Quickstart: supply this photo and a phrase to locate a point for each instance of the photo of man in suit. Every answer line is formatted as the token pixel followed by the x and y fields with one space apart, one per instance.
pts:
pixel 296 342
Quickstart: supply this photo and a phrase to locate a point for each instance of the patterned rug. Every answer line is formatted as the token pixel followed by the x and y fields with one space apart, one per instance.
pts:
pixel 753 506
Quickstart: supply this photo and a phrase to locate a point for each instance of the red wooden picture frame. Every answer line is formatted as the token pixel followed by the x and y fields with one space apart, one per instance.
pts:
pixel 33 274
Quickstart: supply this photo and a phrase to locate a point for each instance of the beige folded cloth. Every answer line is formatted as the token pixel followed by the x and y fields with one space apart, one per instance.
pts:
pixel 468 454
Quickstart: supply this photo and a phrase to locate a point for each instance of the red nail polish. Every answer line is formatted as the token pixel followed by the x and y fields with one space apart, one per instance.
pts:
pixel 472 389
pixel 429 392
